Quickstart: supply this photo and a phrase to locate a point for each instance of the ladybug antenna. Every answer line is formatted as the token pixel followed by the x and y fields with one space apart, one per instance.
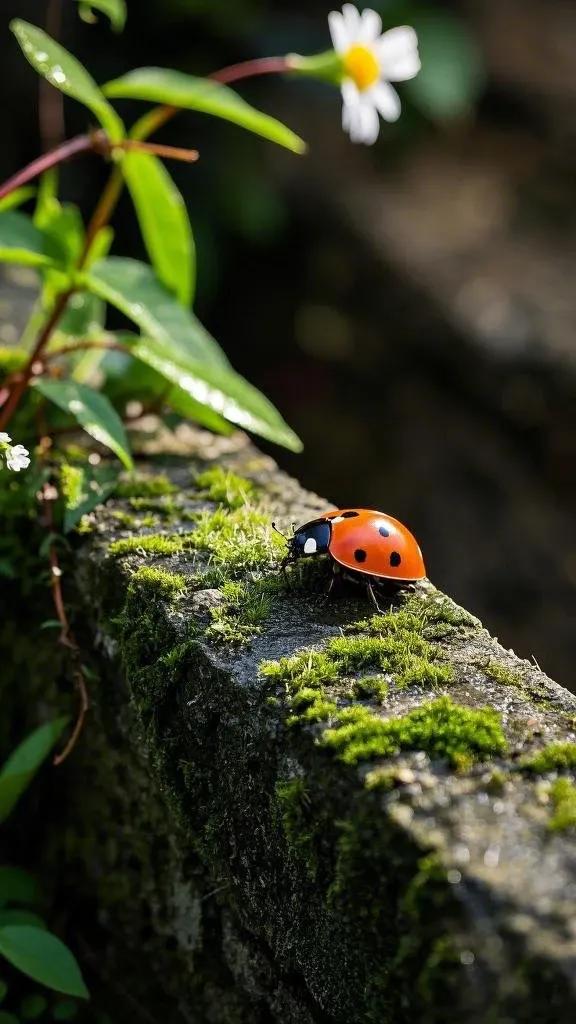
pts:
pixel 275 528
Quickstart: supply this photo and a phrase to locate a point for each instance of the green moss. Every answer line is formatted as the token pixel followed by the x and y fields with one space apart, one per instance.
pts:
pixel 141 486
pixel 159 582
pixel 371 686
pixel 392 645
pixel 502 674
pixel 297 821
pixel 225 487
pixel 563 794
pixel 12 359
pixel 150 544
pixel 440 727
pixel 555 757
pixel 72 484
pixel 245 608
pixel 237 541
pixel 164 505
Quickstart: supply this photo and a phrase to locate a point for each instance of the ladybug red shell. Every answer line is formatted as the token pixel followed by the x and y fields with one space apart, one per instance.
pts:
pixel 362 541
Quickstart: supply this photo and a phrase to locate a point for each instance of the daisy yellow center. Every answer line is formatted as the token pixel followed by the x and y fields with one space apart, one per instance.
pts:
pixel 361 65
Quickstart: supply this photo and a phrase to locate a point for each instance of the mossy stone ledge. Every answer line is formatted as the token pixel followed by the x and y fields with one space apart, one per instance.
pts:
pixel 285 808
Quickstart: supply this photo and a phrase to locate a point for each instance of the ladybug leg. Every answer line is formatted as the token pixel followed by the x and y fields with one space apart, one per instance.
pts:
pixel 370 590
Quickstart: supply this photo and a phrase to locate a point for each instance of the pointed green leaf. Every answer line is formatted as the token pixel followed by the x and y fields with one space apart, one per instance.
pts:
pixel 17 916
pixel 17 198
pixel 22 765
pixel 160 85
pixel 133 288
pixel 43 957
pixel 67 74
pixel 127 379
pixel 93 412
pixel 21 242
pixel 221 389
pixel 115 10
pixel 164 223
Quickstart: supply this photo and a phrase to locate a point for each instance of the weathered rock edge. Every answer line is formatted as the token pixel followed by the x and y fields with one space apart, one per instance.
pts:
pixel 255 877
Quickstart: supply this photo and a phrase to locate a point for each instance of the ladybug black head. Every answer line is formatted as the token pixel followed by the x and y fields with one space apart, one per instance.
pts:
pixel 311 539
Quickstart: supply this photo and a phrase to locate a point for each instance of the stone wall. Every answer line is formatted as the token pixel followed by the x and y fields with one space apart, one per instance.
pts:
pixel 286 808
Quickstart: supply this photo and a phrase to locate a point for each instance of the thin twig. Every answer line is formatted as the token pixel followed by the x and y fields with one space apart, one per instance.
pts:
pixel 69 149
pixel 168 152
pixel 24 377
pixel 82 346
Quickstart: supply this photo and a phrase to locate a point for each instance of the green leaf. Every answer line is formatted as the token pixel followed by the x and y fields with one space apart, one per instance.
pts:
pixel 67 74
pixel 17 198
pixel 43 957
pixel 164 223
pixel 161 85
pixel 115 10
pixel 128 379
pixel 93 412
pixel 22 765
pixel 221 389
pixel 17 916
pixel 452 75
pixel 21 242
pixel 63 225
pixel 17 886
pixel 133 288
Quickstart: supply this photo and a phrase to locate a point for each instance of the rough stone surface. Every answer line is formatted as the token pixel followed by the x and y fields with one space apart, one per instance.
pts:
pixel 226 866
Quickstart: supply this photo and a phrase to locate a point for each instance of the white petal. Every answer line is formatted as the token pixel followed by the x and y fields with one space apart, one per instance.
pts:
pixel 350 110
pixel 369 123
pixel 386 101
pixel 352 21
pixel 338 31
pixel 398 52
pixel 370 26
pixel 5 438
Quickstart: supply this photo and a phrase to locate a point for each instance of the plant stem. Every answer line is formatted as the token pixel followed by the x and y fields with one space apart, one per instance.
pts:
pixel 161 115
pixel 251 69
pixel 21 383
pixel 188 156
pixel 82 346
pixel 80 144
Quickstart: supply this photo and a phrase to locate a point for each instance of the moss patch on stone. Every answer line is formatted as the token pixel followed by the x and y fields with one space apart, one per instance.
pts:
pixel 141 486
pixel 159 582
pixel 553 758
pixel 150 544
pixel 237 541
pixel 563 795
pixel 441 728
pixel 375 654
pixel 245 608
pixel 225 487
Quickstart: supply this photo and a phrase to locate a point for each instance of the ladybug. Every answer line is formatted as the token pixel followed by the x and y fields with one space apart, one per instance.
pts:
pixel 366 545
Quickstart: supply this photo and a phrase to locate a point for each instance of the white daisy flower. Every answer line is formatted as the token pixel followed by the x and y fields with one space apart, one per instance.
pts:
pixel 371 60
pixel 17 458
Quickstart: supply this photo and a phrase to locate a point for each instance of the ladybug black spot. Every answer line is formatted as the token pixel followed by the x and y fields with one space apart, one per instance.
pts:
pixel 395 559
pixel 349 515
pixel 360 555
pixel 383 531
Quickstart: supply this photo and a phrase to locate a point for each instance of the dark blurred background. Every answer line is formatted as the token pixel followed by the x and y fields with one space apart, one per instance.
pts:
pixel 410 308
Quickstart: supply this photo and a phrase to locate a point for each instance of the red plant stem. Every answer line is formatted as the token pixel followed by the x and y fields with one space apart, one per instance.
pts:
pixel 82 346
pixel 21 383
pixel 251 69
pixel 160 116
pixel 80 144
